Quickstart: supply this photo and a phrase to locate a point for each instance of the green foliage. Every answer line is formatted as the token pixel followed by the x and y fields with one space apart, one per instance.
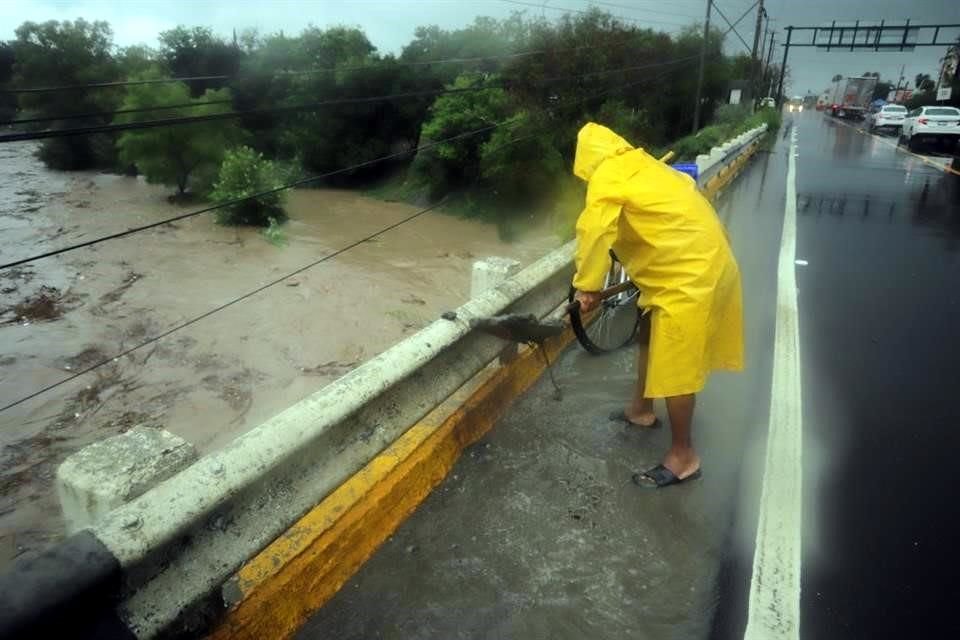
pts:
pixel 185 155
pixel 274 233
pixel 138 59
pixel 485 38
pixel 243 173
pixel 455 164
pixel 197 51
pixel 689 147
pixel 731 114
pixel 8 102
pixel 65 53
pixel 334 136
pixel 630 122
pixel 522 144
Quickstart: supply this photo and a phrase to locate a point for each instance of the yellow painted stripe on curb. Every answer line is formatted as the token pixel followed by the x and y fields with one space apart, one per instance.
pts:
pixel 727 174
pixel 275 592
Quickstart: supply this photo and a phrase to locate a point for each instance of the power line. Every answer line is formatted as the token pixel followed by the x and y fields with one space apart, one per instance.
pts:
pixel 217 309
pixel 292 185
pixel 106 114
pixel 164 122
pixel 633 8
pixel 299 270
pixel 360 67
pixel 742 16
pixel 732 28
pixel 228 203
pixel 637 20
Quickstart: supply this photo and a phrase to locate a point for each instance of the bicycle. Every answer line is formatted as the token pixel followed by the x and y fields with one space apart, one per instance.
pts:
pixel 614 324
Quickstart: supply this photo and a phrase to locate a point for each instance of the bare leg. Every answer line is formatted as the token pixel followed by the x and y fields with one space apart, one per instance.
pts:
pixel 640 409
pixel 682 460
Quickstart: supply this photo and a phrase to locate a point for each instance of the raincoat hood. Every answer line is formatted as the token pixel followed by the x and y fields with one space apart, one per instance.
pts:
pixel 596 143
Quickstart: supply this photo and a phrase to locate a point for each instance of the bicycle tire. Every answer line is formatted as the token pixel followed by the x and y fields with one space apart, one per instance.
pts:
pixel 620 312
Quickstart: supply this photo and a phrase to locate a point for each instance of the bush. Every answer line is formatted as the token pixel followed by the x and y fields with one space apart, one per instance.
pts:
pixel 448 166
pixel 689 147
pixel 243 173
pixel 629 122
pixel 70 153
pixel 731 114
pixel 525 144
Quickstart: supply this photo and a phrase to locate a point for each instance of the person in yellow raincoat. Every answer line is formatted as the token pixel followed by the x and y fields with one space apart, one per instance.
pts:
pixel 674 248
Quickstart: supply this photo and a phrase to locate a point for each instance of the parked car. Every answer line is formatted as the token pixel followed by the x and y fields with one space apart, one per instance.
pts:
pixel 941 124
pixel 888 116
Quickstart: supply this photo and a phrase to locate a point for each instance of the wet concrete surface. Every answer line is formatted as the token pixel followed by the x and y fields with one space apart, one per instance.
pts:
pixel 879 316
pixel 217 378
pixel 538 532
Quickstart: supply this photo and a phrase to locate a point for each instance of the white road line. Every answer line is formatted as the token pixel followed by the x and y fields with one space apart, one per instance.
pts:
pixel 774 612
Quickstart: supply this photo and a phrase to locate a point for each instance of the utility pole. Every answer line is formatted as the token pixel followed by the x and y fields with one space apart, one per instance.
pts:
pixel 754 58
pixel 773 37
pixel 783 66
pixel 703 61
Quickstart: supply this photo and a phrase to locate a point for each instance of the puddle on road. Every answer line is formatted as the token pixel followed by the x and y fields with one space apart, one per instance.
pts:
pixel 223 375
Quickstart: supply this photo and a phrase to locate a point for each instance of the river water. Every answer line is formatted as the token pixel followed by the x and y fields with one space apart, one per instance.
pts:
pixel 222 375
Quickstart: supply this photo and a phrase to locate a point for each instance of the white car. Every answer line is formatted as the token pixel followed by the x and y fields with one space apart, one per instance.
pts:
pixel 888 116
pixel 931 123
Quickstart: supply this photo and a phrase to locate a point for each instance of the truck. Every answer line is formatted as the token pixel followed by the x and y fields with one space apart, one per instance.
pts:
pixel 850 97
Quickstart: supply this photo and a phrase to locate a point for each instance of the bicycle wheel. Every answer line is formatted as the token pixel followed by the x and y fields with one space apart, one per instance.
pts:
pixel 614 324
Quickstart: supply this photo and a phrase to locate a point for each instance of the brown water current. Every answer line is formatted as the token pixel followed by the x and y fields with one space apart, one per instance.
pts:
pixel 226 373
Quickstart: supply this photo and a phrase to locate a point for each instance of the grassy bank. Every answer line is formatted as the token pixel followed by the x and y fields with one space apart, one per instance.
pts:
pixel 560 208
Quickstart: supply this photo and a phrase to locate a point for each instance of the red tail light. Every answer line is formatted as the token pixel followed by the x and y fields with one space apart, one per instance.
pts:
pixel 922 120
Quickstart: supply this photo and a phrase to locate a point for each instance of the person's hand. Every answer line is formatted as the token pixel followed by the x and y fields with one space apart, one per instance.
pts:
pixel 589 300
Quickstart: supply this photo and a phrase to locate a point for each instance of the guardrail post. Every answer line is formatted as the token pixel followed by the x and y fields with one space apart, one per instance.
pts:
pixel 107 474
pixel 489 272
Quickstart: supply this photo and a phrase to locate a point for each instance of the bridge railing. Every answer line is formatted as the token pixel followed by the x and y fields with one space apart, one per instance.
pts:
pixel 156 565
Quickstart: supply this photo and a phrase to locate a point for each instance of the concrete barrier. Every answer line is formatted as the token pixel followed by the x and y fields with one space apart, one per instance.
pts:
pixel 723 155
pixel 178 542
pixel 199 549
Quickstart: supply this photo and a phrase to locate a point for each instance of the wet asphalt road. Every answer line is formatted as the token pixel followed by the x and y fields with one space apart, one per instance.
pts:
pixel 538 533
pixel 879 321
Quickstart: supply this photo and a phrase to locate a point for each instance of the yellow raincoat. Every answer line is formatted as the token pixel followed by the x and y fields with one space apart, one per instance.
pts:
pixel 673 246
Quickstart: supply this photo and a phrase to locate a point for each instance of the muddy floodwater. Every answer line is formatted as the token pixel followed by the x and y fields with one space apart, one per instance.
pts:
pixel 223 374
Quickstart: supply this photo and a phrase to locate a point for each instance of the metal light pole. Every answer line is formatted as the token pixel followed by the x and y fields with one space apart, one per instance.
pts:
pixel 783 67
pixel 703 61
pixel 754 58
pixel 773 38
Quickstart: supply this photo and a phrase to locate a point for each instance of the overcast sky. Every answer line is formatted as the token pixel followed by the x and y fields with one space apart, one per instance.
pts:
pixel 390 24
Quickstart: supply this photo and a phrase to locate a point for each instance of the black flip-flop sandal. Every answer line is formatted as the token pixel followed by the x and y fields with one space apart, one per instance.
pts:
pixel 659 477
pixel 621 416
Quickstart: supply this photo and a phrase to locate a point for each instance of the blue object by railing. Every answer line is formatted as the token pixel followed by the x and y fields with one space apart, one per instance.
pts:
pixel 689 168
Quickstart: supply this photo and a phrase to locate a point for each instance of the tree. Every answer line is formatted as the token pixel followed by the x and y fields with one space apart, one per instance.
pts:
pixel 243 173
pixel 66 53
pixel 184 155
pixel 8 102
pixel 882 90
pixel 456 164
pixel 138 59
pixel 197 52
pixel 522 144
pixel 333 137
pixel 836 78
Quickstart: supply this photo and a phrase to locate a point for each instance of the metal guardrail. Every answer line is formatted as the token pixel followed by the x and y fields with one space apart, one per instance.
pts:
pixel 710 164
pixel 155 566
